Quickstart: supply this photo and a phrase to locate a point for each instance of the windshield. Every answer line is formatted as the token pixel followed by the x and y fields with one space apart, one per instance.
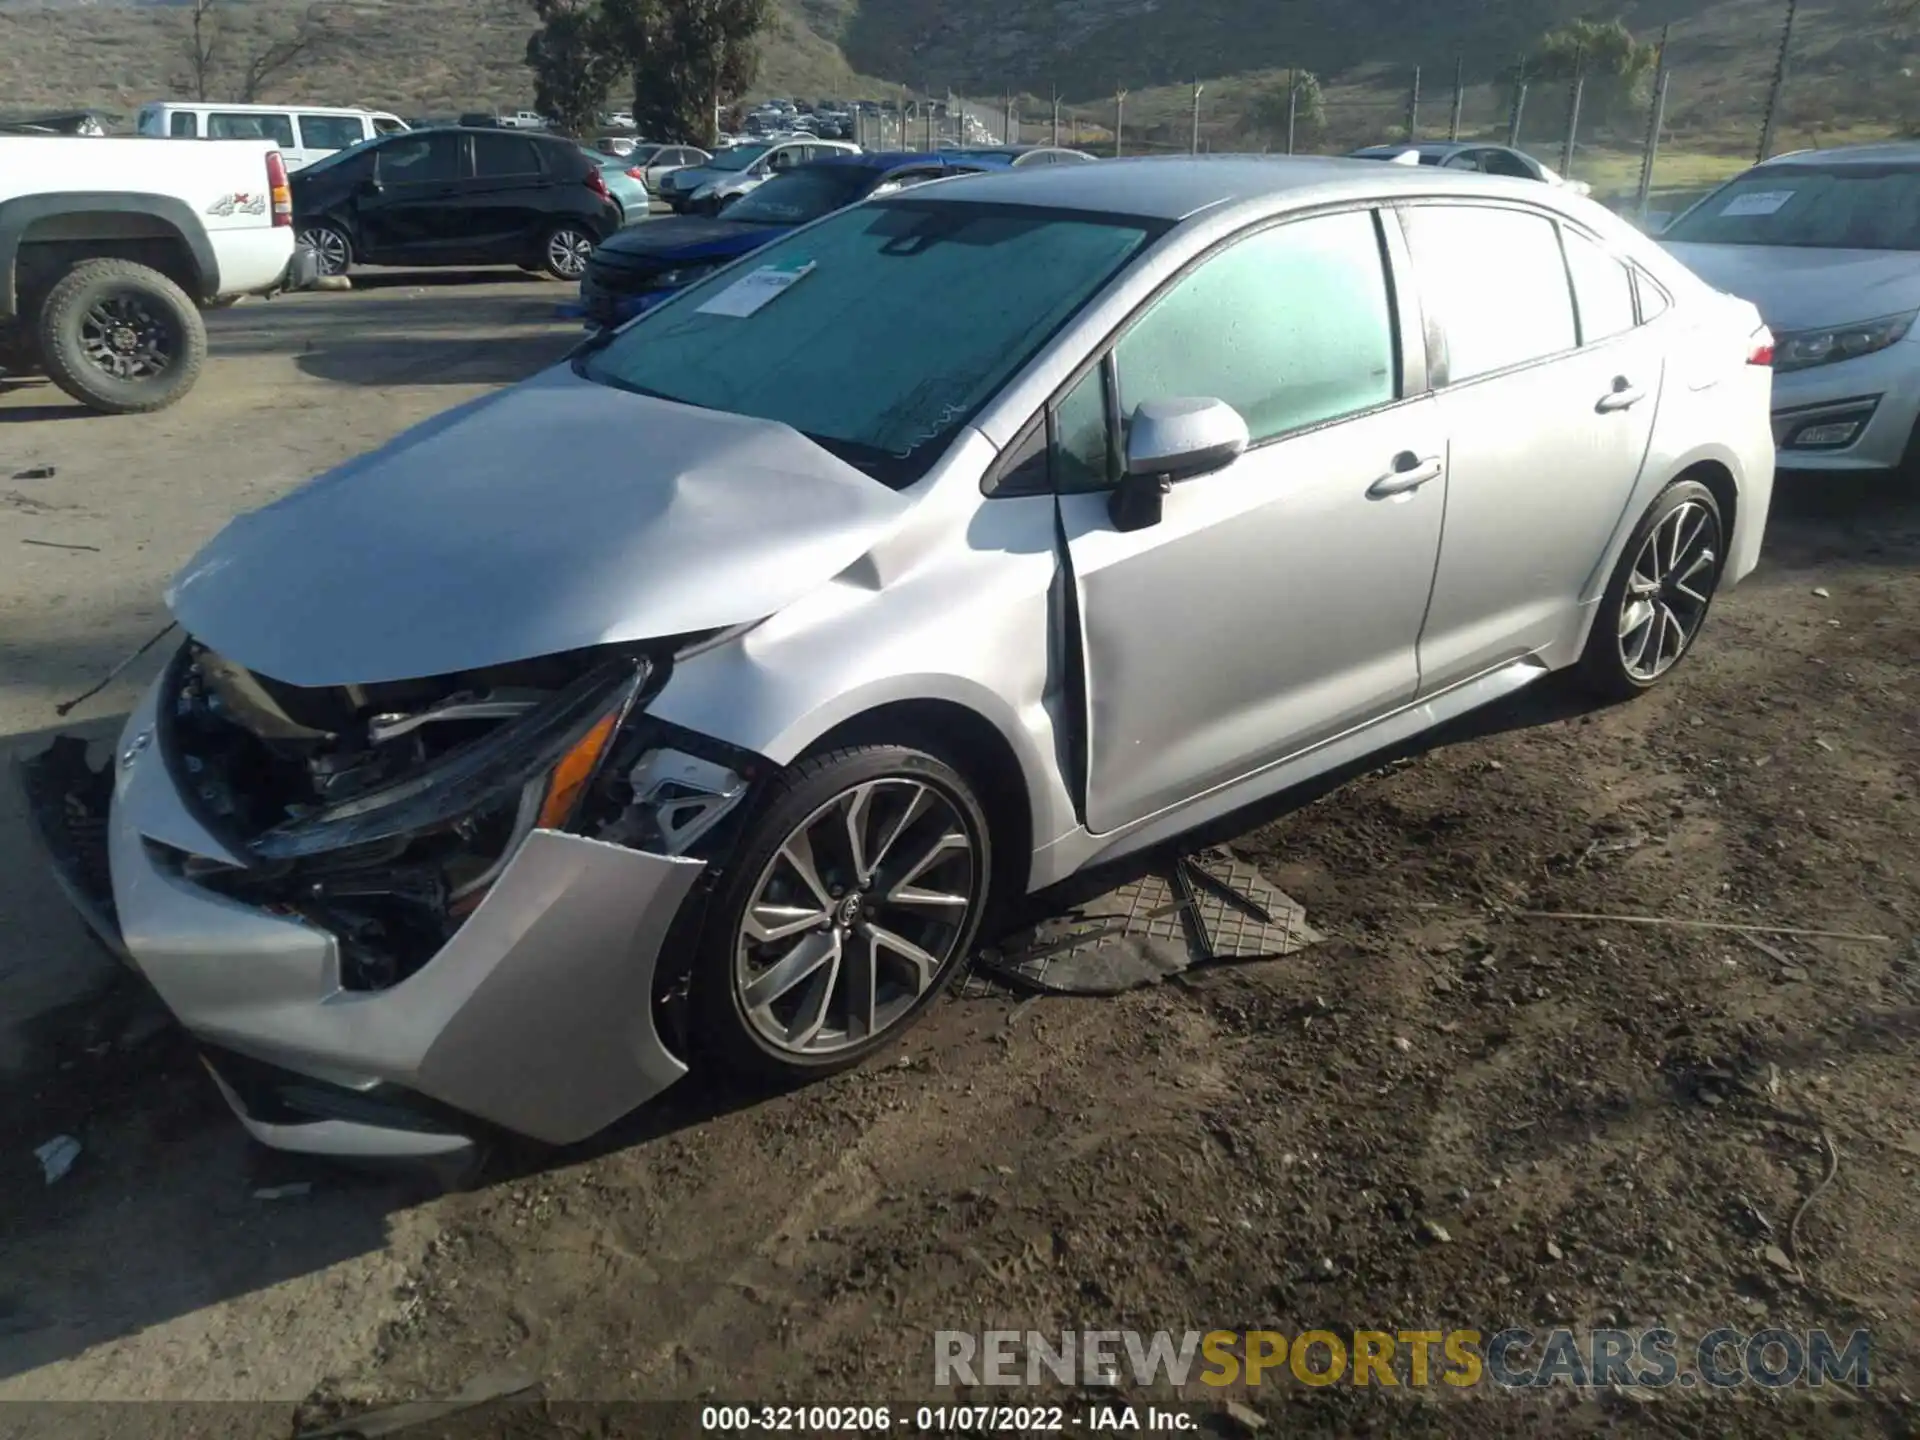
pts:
pixel 1838 207
pixel 931 306
pixel 802 195
pixel 737 158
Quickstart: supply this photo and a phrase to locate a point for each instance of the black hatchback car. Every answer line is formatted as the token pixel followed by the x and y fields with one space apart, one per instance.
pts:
pixel 455 196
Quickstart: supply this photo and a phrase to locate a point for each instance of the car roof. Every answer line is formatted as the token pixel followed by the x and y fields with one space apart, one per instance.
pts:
pixel 1883 152
pixel 1173 187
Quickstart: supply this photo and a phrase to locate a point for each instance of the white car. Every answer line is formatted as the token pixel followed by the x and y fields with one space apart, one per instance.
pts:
pixel 304 133
pixel 1475 158
pixel 1827 244
pixel 708 188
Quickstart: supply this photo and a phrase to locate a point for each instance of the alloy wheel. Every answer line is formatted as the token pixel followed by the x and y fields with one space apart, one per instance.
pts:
pixel 329 249
pixel 567 252
pixel 1668 591
pixel 858 912
pixel 127 338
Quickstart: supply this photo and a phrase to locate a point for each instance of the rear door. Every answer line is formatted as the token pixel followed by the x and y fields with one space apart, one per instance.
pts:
pixel 504 202
pixel 1548 412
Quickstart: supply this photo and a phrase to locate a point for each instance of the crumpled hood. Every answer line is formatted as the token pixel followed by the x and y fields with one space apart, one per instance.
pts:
pixel 1800 288
pixel 685 237
pixel 551 516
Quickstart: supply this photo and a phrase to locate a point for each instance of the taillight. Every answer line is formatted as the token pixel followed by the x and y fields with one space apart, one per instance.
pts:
pixel 277 188
pixel 597 183
pixel 1760 347
pixel 636 173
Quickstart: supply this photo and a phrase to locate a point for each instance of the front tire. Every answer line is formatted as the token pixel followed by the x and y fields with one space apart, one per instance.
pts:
pixel 1657 601
pixel 853 897
pixel 332 250
pixel 121 338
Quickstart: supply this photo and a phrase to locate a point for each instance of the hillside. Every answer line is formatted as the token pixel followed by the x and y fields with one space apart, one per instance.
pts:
pixel 1851 71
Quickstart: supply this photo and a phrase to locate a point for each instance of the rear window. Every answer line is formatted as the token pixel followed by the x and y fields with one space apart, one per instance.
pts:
pixel 932 305
pixel 802 195
pixel 1828 207
pixel 235 125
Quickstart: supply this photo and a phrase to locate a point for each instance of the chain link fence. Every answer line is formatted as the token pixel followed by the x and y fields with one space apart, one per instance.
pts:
pixel 1613 136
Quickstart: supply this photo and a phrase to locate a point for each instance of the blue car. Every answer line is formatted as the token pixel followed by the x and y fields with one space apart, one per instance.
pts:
pixel 643 264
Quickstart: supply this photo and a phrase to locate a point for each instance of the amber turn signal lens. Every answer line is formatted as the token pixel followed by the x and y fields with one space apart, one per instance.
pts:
pixel 570 776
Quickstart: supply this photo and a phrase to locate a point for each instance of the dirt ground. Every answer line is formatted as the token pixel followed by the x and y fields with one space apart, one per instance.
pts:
pixel 1450 1114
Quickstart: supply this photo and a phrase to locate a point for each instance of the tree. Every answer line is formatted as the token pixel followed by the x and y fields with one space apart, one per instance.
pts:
pixel 573 61
pixel 203 50
pixel 1267 115
pixel 263 57
pixel 1618 68
pixel 687 58
pixel 312 34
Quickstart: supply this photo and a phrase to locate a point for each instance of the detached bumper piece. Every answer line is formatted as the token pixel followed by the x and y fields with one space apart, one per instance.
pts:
pixel 68 803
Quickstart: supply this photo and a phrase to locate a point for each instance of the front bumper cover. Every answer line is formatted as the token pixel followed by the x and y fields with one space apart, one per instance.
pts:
pixel 536 1017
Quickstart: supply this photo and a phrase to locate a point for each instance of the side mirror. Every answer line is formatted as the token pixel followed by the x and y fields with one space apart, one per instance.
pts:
pixel 1169 441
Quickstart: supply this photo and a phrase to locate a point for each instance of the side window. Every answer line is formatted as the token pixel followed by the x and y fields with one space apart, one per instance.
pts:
pixel 1465 160
pixel 1083 456
pixel 330 132
pixel 1495 282
pixel 1291 327
pixel 1602 289
pixel 386 125
pixel 185 125
pixel 499 156
pixel 232 125
pixel 1653 300
pixel 425 159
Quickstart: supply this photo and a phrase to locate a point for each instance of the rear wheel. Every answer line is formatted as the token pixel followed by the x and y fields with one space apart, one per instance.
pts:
pixel 854 897
pixel 121 338
pixel 1657 601
pixel 564 251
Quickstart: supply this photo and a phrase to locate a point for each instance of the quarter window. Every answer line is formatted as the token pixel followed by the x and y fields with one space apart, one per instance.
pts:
pixel 185 125
pixel 1494 281
pixel 1292 327
pixel 1602 289
pixel 1083 437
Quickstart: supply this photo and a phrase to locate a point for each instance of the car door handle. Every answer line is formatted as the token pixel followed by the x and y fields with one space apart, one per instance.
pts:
pixel 1409 473
pixel 1624 396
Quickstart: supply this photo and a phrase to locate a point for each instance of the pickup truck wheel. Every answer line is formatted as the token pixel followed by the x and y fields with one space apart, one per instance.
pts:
pixel 121 338
pixel 332 251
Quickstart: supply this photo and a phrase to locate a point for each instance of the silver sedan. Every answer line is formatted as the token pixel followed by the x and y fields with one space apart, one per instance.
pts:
pixel 687 703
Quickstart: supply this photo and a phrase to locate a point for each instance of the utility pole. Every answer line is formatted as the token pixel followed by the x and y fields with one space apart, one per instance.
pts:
pixel 1772 115
pixel 1573 110
pixel 1459 96
pixel 1119 120
pixel 1193 147
pixel 1413 108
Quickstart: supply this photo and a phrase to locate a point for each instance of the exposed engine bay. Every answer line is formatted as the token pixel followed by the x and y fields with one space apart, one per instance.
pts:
pixel 384 813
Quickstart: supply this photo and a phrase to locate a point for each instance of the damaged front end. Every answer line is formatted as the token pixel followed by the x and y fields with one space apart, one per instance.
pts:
pixel 455 888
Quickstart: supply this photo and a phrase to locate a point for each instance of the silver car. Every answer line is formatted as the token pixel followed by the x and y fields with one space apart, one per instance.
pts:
pixel 510 768
pixel 1827 244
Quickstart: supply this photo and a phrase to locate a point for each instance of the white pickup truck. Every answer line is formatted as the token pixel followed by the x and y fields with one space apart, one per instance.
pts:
pixel 109 248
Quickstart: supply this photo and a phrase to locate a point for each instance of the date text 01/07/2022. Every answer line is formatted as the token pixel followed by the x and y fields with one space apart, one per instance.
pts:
pixel 941 1419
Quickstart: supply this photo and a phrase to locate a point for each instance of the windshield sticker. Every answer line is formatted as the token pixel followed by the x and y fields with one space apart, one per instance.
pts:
pixel 1759 202
pixel 753 290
